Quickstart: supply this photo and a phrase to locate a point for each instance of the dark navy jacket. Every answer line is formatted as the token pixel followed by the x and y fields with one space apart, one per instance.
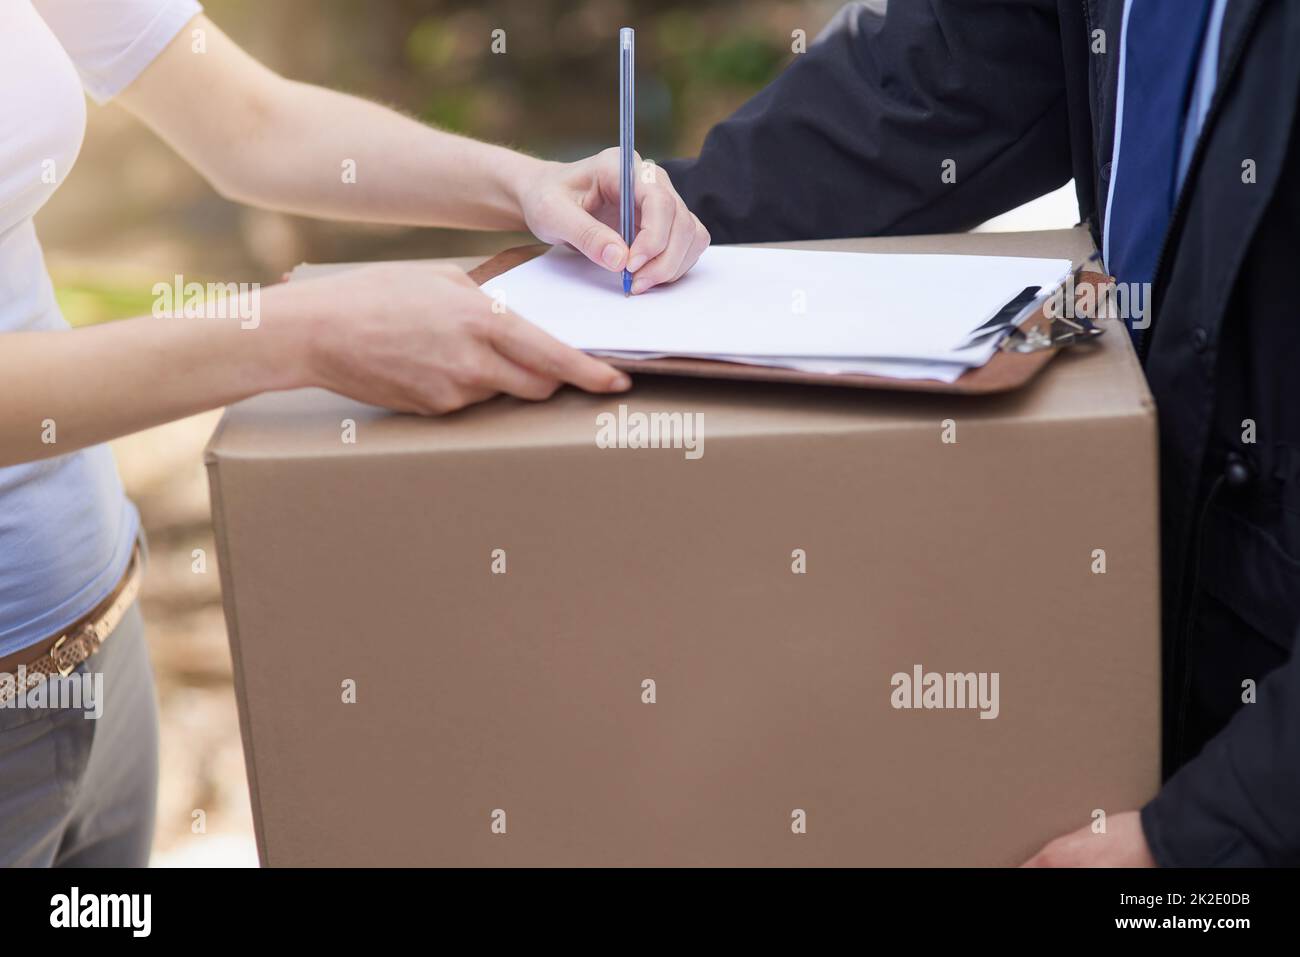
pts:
pixel 849 140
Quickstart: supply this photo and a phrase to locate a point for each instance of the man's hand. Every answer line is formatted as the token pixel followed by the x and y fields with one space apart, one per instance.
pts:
pixel 1123 845
pixel 577 204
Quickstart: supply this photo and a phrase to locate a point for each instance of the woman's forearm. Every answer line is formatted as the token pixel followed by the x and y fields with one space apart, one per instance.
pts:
pixel 327 154
pixel 415 337
pixel 64 390
pixel 267 141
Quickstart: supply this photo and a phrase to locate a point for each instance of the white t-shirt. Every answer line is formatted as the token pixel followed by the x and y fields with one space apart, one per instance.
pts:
pixel 66 528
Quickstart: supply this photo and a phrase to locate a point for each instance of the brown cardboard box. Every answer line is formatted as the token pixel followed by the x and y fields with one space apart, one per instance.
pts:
pixel 520 699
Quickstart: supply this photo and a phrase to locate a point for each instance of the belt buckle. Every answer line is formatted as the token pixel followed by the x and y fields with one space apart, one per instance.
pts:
pixel 64 671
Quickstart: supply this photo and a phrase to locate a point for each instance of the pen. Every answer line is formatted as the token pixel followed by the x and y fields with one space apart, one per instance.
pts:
pixel 626 144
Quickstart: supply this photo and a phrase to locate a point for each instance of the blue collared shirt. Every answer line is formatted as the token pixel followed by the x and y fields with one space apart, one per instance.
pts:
pixel 1203 87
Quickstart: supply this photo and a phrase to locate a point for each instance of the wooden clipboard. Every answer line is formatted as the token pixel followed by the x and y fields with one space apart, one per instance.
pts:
pixel 1004 372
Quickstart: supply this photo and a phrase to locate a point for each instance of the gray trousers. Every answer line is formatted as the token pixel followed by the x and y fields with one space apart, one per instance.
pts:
pixel 81 793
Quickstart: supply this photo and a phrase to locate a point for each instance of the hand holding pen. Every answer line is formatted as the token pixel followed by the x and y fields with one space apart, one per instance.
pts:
pixel 586 204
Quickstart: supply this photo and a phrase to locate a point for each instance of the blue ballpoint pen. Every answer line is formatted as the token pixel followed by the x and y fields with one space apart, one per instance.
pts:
pixel 626 142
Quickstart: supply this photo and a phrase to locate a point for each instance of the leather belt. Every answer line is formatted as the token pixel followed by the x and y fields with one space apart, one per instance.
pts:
pixel 61 653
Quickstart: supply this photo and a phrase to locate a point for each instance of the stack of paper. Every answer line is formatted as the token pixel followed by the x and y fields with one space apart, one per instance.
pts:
pixel 902 316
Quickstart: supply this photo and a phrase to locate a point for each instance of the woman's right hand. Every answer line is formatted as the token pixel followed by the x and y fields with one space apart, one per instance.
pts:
pixel 418 337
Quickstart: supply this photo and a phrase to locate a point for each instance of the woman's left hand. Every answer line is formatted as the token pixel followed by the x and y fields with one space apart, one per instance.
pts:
pixel 577 203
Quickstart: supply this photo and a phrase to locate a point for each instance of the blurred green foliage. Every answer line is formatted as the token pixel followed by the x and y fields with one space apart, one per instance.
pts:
pixel 743 60
pixel 89 303
pixel 541 74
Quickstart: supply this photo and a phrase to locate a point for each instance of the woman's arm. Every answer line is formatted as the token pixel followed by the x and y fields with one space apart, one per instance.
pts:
pixel 267 141
pixel 408 336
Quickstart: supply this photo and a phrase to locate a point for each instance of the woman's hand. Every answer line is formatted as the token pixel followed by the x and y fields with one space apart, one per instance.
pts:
pixel 577 203
pixel 423 338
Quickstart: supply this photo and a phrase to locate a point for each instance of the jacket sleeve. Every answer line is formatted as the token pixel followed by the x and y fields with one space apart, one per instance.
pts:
pixel 1238 802
pixel 852 139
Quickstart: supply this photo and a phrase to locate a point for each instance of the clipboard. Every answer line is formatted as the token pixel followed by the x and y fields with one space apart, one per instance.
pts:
pixel 1035 345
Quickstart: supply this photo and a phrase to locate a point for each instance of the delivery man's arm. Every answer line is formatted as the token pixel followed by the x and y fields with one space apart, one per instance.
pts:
pixel 933 117
pixel 1238 802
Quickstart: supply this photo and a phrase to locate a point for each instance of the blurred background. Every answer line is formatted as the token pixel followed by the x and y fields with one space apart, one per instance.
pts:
pixel 131 213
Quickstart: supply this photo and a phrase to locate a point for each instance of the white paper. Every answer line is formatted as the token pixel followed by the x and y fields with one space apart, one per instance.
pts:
pixel 780 304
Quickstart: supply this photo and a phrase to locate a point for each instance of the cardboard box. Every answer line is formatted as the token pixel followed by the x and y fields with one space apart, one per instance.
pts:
pixel 783 725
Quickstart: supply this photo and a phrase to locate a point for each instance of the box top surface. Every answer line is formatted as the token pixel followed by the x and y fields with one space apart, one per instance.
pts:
pixel 1099 382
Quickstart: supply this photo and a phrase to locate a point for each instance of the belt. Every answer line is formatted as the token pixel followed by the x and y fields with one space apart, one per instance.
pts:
pixel 59 654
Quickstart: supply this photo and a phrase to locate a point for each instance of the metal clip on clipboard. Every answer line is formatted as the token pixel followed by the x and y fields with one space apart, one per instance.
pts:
pixel 1058 331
